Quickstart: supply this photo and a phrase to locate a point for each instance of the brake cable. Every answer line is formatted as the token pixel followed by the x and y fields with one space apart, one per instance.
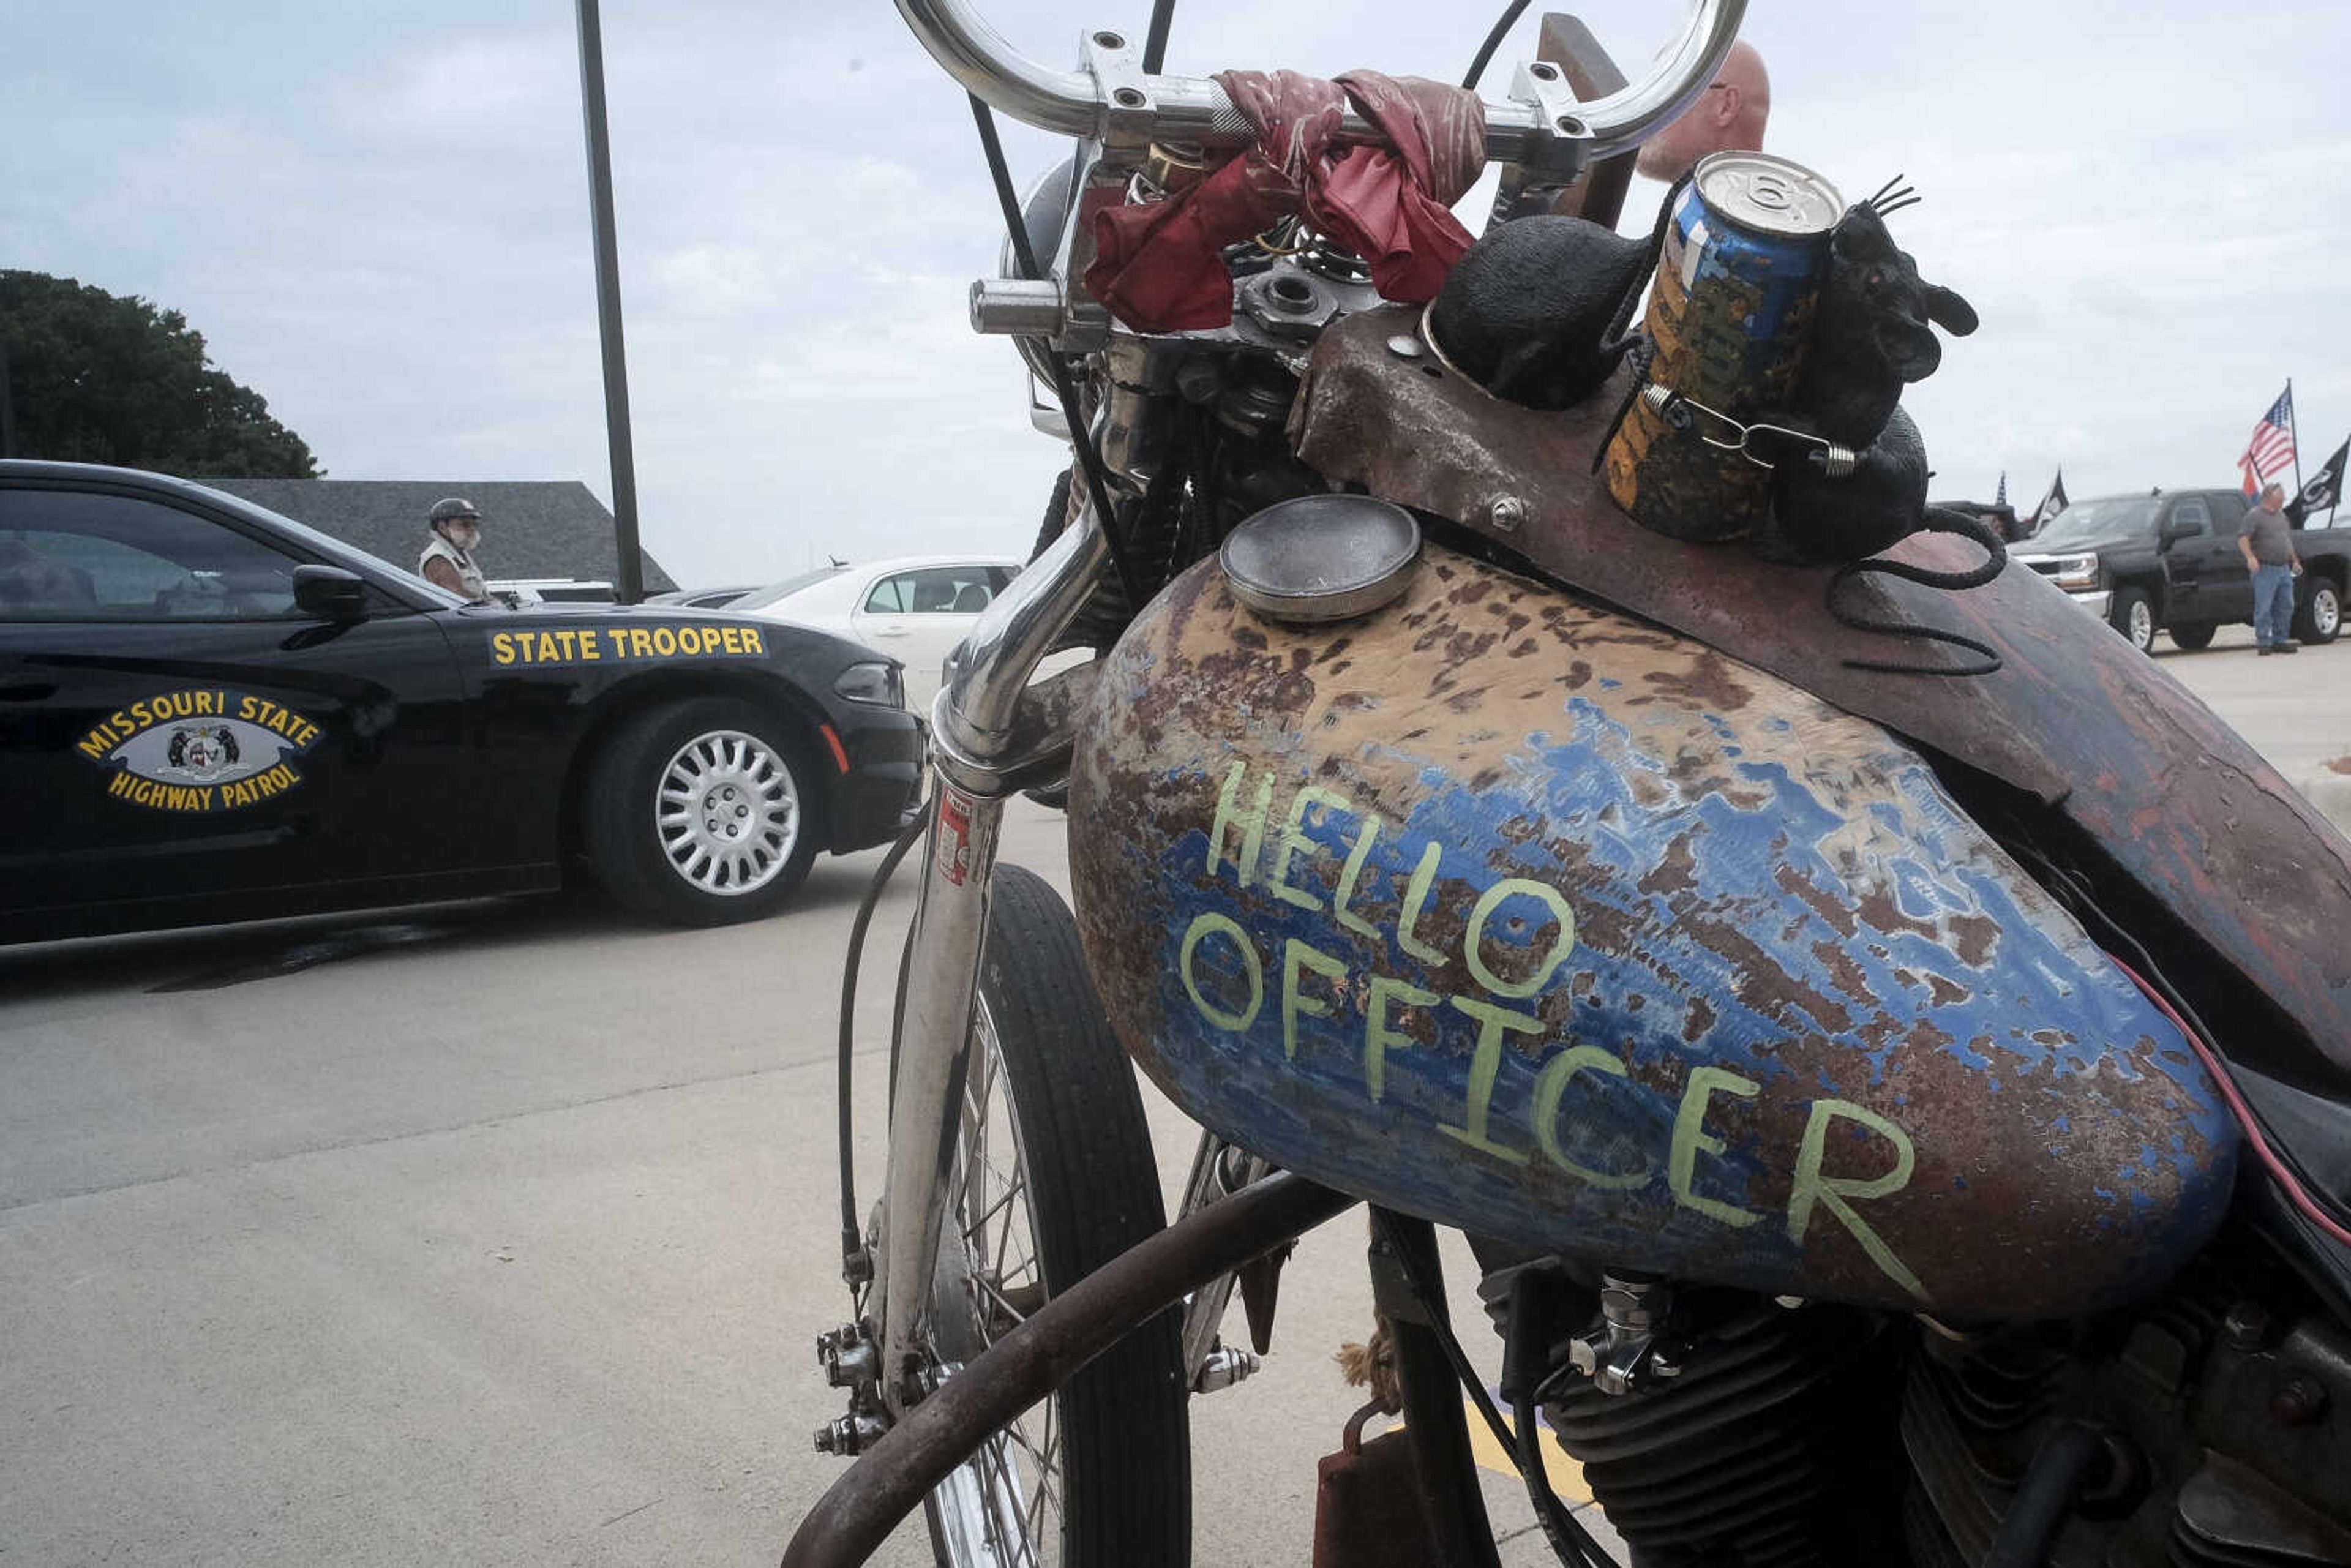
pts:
pixel 853 1233
pixel 1082 434
pixel 1589 1552
pixel 1155 42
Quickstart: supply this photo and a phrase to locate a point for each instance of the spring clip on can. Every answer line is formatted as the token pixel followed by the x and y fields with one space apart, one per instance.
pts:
pixel 1731 314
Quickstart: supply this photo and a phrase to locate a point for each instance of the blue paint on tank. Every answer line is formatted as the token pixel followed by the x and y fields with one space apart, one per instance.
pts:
pixel 1730 991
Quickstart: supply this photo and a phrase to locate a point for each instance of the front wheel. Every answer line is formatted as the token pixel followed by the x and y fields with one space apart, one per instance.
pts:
pixel 2133 617
pixel 2319 617
pixel 1054 1177
pixel 700 812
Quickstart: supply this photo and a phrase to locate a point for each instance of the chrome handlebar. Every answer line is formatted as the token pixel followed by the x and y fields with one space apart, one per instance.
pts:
pixel 1525 129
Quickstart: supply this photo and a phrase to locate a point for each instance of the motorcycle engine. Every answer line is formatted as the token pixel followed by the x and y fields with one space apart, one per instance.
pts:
pixel 2210 1426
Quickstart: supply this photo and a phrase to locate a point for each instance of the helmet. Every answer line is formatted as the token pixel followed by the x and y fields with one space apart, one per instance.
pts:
pixel 456 506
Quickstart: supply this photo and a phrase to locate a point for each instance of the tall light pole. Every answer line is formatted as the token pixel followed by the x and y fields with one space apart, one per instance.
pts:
pixel 632 585
pixel 7 407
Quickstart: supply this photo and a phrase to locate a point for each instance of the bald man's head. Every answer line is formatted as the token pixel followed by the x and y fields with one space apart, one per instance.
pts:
pixel 1730 114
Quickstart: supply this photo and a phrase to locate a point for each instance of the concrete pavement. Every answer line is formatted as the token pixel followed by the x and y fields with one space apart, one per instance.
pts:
pixel 499 1233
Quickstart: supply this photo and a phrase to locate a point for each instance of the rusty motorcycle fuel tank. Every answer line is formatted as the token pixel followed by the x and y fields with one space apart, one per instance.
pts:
pixel 1503 908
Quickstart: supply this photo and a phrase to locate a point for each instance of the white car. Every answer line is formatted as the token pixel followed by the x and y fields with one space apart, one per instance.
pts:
pixel 914 608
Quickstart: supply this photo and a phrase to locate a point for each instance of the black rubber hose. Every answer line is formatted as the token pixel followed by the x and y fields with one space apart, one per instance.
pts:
pixel 1155 42
pixel 1443 1462
pixel 1510 14
pixel 1065 391
pixel 853 1234
pixel 1594 1554
pixel 2044 1496
pixel 1525 1347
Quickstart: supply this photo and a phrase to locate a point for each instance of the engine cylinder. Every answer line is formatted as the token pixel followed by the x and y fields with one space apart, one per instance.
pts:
pixel 1768 1450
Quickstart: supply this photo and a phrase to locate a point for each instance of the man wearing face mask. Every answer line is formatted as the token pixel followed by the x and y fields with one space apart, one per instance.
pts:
pixel 448 558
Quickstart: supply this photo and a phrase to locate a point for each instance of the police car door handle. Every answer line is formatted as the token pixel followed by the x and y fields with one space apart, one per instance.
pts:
pixel 892 629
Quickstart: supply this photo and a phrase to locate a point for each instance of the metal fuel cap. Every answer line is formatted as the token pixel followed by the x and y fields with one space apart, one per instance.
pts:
pixel 1316 558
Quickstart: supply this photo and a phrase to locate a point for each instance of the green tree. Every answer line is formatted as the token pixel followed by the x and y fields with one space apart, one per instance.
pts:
pixel 97 378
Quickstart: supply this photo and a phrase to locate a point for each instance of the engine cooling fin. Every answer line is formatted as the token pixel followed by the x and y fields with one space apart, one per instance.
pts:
pixel 1757 1455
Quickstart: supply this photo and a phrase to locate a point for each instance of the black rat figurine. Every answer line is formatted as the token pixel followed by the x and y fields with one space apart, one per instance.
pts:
pixel 1870 337
pixel 1539 310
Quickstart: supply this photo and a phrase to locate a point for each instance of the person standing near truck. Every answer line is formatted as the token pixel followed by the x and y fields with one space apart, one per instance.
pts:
pixel 2267 539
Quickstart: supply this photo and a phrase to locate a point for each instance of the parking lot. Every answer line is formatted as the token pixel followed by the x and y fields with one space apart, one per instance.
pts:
pixel 500 1232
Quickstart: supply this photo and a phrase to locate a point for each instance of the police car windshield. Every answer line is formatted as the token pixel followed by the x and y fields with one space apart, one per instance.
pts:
pixel 786 589
pixel 2088 522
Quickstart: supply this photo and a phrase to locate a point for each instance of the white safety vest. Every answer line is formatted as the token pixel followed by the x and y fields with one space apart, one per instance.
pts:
pixel 461 561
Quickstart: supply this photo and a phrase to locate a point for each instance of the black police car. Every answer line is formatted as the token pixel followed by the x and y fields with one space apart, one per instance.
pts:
pixel 209 712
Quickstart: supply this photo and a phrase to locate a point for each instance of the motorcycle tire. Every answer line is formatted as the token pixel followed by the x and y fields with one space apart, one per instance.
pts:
pixel 1053 1168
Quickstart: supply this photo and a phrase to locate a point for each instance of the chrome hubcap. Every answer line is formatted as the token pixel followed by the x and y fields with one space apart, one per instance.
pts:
pixel 727 813
pixel 2325 611
pixel 2142 625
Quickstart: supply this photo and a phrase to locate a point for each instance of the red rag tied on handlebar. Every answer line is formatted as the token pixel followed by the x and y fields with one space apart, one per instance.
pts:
pixel 1159 267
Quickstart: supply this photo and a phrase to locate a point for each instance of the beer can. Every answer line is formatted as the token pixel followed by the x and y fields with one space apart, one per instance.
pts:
pixel 1730 314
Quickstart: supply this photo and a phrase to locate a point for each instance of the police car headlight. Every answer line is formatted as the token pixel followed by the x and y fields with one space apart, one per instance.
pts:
pixel 877 683
pixel 2077 572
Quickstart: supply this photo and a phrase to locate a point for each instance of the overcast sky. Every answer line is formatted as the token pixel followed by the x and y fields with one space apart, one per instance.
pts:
pixel 376 215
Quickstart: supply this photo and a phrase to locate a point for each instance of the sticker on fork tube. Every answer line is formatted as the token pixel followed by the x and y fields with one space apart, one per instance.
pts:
pixel 953 837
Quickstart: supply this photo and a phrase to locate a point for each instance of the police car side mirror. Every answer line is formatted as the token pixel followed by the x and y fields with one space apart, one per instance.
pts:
pixel 330 592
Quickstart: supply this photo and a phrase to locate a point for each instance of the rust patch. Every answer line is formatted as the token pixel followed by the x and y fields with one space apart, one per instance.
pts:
pixel 1839 919
pixel 1677 873
pixel 1849 976
pixel 1974 937
pixel 2076 719
pixel 1711 683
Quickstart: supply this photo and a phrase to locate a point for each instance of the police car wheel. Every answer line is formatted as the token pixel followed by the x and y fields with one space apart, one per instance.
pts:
pixel 701 813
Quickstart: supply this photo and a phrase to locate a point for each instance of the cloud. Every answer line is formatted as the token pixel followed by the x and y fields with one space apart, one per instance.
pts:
pixel 378 217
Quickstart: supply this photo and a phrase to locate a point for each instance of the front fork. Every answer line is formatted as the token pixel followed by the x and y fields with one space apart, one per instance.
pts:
pixel 993 735
pixel 988 746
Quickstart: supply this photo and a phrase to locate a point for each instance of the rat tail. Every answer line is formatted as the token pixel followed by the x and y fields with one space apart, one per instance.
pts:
pixel 1620 329
pixel 1940 520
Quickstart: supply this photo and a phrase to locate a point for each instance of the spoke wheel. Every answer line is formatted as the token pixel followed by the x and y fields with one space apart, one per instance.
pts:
pixel 701 812
pixel 1052 1177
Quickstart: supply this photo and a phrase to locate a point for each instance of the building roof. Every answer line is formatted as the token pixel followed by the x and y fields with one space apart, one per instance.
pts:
pixel 530 529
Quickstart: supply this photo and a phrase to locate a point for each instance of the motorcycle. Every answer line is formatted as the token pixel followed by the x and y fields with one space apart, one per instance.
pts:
pixel 1901 1111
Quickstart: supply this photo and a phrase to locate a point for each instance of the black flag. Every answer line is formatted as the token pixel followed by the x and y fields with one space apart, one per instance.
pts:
pixel 2052 504
pixel 2325 489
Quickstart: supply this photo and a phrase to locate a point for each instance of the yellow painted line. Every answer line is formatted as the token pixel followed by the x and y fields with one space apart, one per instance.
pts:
pixel 1566 1475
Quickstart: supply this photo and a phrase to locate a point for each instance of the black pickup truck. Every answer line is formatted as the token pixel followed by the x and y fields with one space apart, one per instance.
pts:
pixel 2169 561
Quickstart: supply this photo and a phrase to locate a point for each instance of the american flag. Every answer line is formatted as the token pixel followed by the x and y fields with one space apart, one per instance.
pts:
pixel 2271 451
